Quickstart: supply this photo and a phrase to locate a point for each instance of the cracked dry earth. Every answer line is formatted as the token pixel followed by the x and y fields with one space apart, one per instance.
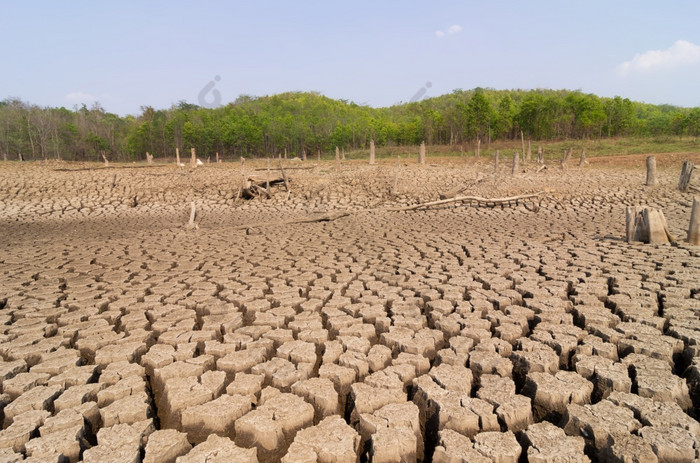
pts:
pixel 454 334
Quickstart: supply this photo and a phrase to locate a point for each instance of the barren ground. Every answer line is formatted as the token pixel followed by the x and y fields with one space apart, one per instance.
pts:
pixel 456 333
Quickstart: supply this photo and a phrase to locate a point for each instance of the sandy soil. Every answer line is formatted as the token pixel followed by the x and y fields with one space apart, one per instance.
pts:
pixel 448 334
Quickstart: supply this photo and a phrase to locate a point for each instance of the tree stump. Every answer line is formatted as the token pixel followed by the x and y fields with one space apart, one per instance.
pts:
pixel 337 158
pixel 102 153
pixel 686 172
pixel 371 152
pixel 540 155
pixel 217 158
pixel 149 158
pixel 193 158
pixel 694 227
pixel 303 154
pixel 565 158
pixel 478 148
pixel 421 154
pixel 177 156
pixel 528 157
pixel 646 225
pixel 582 159
pixel 651 171
pixel 495 161
pixel 516 163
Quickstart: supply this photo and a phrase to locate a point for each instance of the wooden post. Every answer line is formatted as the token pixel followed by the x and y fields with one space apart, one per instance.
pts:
pixel 582 159
pixel 478 148
pixel 177 156
pixel 421 154
pixel 686 172
pixel 694 227
pixel 371 152
pixel 516 163
pixel 193 158
pixel 651 171
pixel 193 214
pixel 529 152
pixel 495 161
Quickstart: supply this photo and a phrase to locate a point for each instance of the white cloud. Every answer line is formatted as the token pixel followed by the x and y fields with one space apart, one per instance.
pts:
pixel 680 53
pixel 455 28
pixel 80 97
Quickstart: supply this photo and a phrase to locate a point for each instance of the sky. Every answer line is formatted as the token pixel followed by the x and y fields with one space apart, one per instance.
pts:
pixel 129 54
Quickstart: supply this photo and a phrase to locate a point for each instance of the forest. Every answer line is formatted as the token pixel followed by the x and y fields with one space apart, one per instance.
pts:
pixel 307 122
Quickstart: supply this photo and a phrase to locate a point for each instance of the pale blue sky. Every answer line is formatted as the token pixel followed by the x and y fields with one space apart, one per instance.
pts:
pixel 131 53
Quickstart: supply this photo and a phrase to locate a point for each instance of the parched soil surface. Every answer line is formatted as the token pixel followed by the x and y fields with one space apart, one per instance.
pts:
pixel 528 332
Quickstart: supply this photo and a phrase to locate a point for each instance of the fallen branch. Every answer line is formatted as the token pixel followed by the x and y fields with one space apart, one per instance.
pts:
pixel 340 214
pixel 471 199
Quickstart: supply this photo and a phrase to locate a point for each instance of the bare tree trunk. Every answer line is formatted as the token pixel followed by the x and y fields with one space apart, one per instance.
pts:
pixel 371 152
pixel 421 154
pixel 582 159
pixel 540 155
pixel 193 158
pixel 303 154
pixel 103 157
pixel 177 156
pixel 217 157
pixel 516 163
pixel 522 140
pixel 495 161
pixel 337 158
pixel 686 173
pixel 318 155
pixel 694 227
pixel 651 171
pixel 343 154
pixel 478 148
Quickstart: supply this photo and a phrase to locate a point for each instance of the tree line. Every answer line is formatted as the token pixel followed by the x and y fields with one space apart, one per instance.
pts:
pixel 307 122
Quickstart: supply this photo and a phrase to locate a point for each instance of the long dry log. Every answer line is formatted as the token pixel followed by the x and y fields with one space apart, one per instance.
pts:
pixel 475 199
pixel 340 214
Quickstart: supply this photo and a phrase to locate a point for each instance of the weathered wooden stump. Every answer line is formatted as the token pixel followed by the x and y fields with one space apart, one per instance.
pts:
pixel 149 158
pixel 582 159
pixel 647 225
pixel 371 152
pixel 516 163
pixel 495 161
pixel 651 171
pixel 193 158
pixel 694 227
pixel 421 154
pixel 540 155
pixel 686 172
pixel 177 156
